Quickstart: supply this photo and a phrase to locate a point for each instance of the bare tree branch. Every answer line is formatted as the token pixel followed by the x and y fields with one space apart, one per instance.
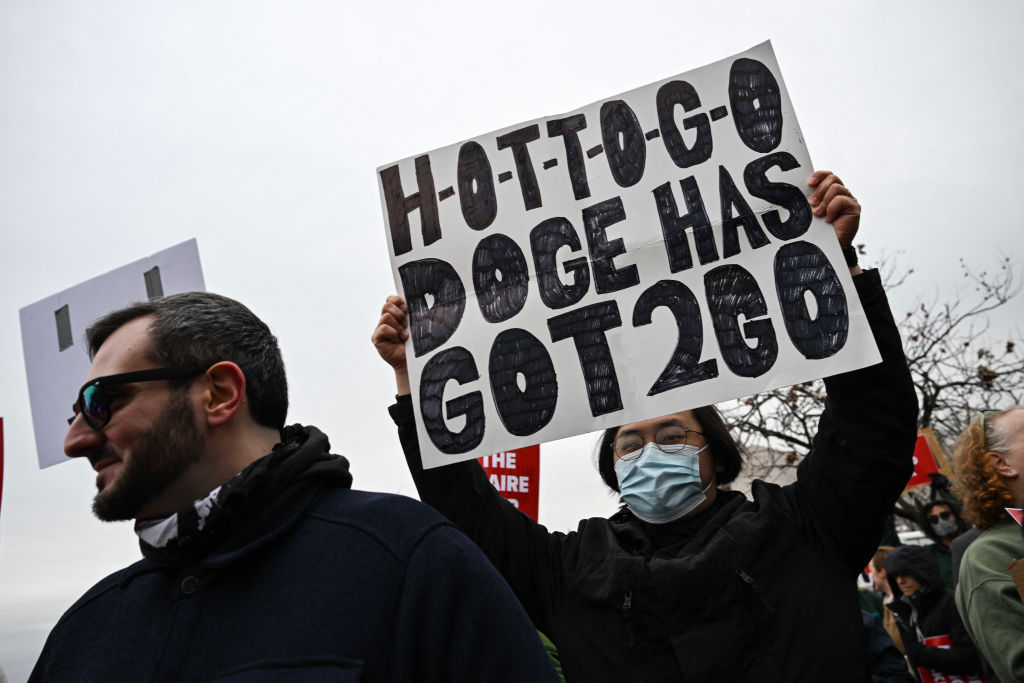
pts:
pixel 956 365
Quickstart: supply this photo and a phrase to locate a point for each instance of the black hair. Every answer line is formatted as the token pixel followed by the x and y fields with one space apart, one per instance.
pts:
pixel 201 329
pixel 724 450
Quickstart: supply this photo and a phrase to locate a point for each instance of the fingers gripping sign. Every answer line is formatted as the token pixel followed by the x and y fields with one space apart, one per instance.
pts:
pixel 834 202
pixel 389 338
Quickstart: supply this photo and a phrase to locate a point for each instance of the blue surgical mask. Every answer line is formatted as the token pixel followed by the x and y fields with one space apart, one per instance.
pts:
pixel 661 487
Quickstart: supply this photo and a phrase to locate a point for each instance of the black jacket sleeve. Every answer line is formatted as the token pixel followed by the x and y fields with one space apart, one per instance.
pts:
pixel 523 551
pixel 862 453
pixel 960 658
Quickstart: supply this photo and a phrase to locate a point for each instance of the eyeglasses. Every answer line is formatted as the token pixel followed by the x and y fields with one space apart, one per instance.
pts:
pixel 94 401
pixel 945 514
pixel 981 423
pixel 671 439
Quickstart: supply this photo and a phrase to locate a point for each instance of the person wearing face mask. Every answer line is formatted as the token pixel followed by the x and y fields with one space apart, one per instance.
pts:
pixel 940 521
pixel 688 580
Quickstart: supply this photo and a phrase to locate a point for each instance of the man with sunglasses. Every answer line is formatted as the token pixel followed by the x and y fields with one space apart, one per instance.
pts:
pixel 259 560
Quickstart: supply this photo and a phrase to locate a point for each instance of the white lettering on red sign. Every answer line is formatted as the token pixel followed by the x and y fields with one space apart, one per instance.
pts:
pixel 506 460
pixel 511 482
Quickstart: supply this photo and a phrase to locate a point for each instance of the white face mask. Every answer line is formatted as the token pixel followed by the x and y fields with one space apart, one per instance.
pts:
pixel 944 528
pixel 661 487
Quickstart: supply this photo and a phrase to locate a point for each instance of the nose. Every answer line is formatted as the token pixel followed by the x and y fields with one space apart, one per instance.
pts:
pixel 81 439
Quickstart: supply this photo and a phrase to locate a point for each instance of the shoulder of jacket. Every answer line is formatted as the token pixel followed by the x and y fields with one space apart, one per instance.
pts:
pixel 396 521
pixel 112 583
pixel 766 497
pixel 1003 538
pixel 762 490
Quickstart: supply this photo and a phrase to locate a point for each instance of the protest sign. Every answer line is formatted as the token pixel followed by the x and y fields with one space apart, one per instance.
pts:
pixel 645 254
pixel 516 476
pixel 928 459
pixel 53 334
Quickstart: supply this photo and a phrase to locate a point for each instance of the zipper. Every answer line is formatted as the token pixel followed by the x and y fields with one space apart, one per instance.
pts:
pixel 627 609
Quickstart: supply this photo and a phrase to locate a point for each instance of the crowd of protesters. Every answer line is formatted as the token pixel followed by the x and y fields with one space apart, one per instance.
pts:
pixel 955 606
pixel 261 562
pixel 692 581
pixel 689 580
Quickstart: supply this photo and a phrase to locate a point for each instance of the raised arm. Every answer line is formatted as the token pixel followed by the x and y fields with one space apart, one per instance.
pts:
pixel 522 550
pixel 862 453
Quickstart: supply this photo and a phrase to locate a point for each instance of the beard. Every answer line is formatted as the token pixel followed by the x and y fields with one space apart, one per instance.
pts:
pixel 160 455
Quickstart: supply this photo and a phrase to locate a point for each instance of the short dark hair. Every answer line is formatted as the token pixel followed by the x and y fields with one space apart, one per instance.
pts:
pixel 879 557
pixel 724 449
pixel 201 329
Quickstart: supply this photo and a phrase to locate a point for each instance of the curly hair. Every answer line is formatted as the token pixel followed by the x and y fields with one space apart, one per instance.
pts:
pixel 975 480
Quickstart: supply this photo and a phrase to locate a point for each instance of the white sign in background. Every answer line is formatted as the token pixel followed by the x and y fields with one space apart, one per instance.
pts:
pixel 53 334
pixel 646 254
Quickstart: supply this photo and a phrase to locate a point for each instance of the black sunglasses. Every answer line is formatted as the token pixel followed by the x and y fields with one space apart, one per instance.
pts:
pixel 93 402
pixel 945 514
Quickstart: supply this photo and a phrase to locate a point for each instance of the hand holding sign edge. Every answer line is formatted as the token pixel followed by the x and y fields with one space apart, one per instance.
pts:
pixel 389 339
pixel 834 202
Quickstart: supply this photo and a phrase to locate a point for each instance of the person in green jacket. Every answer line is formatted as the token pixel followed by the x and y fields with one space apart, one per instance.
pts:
pixel 989 476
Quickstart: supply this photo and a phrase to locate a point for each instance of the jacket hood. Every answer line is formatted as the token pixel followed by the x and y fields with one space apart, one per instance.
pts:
pixel 916 561
pixel 925 525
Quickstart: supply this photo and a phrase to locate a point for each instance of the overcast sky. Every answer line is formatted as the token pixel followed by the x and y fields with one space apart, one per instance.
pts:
pixel 256 127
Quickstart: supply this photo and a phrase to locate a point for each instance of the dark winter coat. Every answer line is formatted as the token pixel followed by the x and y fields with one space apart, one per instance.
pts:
pixel 885 661
pixel 929 612
pixel 321 583
pixel 747 590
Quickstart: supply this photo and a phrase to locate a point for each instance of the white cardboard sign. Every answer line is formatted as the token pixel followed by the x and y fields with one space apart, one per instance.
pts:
pixel 53 334
pixel 645 254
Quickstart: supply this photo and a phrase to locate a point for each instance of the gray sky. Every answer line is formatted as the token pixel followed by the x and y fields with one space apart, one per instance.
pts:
pixel 256 127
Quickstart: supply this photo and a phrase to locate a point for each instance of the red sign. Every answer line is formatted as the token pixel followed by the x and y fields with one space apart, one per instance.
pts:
pixel 933 676
pixel 516 475
pixel 925 463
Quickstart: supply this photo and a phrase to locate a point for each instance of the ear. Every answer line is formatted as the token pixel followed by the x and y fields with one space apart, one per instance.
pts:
pixel 224 392
pixel 1002 468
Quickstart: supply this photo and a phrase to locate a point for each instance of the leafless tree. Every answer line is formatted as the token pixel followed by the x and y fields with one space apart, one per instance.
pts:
pixel 957 367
